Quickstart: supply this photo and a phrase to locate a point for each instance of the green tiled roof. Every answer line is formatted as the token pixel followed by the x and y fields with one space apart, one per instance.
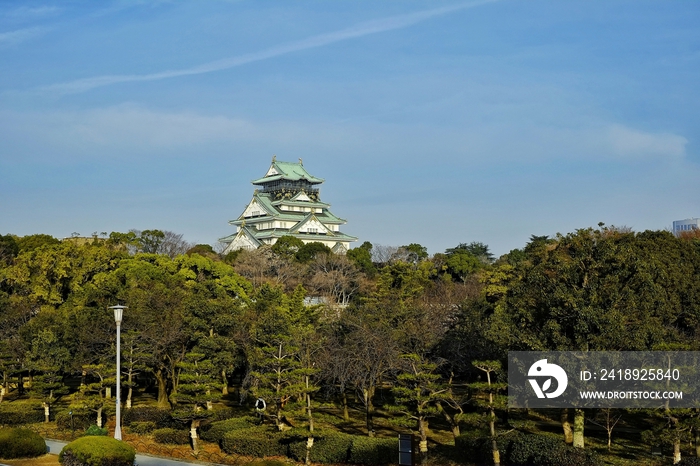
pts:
pixel 272 209
pixel 289 171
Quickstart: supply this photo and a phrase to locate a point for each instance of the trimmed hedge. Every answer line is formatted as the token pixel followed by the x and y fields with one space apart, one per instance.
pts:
pixel 257 442
pixel 161 417
pixel 215 431
pixel 171 436
pixel 17 414
pixel 223 414
pixel 374 451
pixel 142 427
pixel 518 448
pixel 97 451
pixel 82 419
pixel 328 447
pixel 21 443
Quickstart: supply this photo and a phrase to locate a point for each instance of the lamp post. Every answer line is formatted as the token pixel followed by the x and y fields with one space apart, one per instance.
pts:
pixel 118 311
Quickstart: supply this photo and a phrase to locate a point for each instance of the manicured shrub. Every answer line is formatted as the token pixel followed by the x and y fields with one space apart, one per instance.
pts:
pixel 17 414
pixel 142 427
pixel 328 447
pixel 374 451
pixel 97 451
pixel 518 448
pixel 171 436
pixel 94 430
pixel 215 431
pixel 82 419
pixel 161 417
pixel 21 443
pixel 223 414
pixel 258 442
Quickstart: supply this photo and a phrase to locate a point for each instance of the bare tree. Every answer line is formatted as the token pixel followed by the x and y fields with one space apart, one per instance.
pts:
pixel 383 254
pixel 335 277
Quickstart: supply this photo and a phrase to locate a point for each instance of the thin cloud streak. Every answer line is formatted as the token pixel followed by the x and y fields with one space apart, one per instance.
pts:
pixel 20 35
pixel 359 30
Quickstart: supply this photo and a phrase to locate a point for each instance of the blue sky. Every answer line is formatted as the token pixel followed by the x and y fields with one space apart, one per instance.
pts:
pixel 432 122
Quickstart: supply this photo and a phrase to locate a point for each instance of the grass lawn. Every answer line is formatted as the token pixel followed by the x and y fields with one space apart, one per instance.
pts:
pixel 46 460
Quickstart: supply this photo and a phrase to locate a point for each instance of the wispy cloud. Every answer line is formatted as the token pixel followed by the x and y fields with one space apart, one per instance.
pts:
pixel 630 142
pixel 25 12
pixel 20 35
pixel 358 30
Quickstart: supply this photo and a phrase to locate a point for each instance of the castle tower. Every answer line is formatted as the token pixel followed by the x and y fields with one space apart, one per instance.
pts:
pixel 287 203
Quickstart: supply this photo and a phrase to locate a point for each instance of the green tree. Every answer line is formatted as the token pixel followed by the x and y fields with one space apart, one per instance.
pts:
pixel 418 392
pixel 362 257
pixel 8 249
pixel 47 358
pixel 415 252
pixel 287 246
pixel 198 388
pixel 309 251
pixel 494 400
pixel 475 248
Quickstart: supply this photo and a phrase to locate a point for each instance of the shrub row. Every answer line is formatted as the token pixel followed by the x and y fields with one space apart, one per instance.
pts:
pixel 518 448
pixel 161 417
pixel 21 443
pixel 215 431
pixel 257 442
pixel 97 451
pixel 17 414
pixel 171 436
pixel 142 427
pixel 328 447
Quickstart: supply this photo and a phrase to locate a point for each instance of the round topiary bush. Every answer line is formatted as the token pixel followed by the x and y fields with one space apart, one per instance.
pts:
pixel 21 443
pixel 97 451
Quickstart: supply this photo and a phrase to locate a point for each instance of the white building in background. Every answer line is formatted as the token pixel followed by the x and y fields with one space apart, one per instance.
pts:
pixel 688 224
pixel 287 202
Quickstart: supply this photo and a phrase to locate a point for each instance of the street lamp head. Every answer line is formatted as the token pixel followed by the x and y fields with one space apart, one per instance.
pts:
pixel 118 312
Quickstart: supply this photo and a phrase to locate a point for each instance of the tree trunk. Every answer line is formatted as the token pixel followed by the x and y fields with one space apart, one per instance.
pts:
pixel 108 392
pixel 224 381
pixel 162 389
pixel 346 412
pixel 450 420
pixel 565 416
pixel 423 445
pixel 47 412
pixel 310 439
pixel 697 443
pixel 130 390
pixel 369 409
pixel 193 435
pixel 99 418
pixel 676 451
pixel 579 420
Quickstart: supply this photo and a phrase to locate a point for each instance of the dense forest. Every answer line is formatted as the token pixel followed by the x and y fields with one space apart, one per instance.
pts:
pixel 296 325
